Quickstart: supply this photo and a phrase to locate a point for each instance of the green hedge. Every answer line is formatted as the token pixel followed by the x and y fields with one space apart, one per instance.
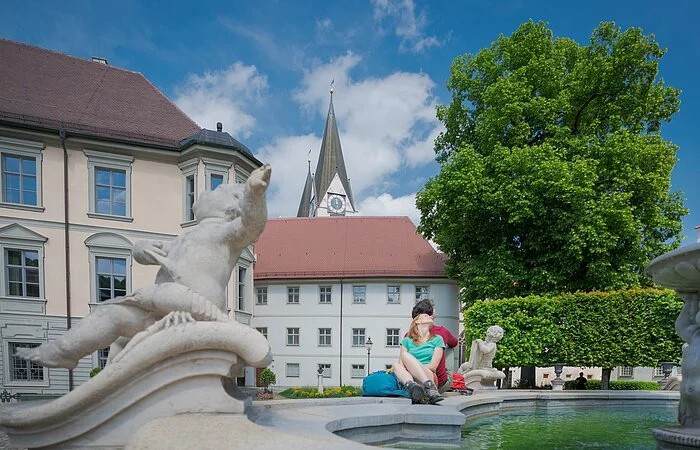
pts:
pixel 329 392
pixel 619 385
pixel 596 329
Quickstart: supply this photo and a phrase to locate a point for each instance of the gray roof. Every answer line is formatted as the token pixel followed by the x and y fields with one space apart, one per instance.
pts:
pixel 305 203
pixel 219 139
pixel 330 159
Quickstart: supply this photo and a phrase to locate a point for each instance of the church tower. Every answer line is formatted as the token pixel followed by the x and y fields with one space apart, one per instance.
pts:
pixel 328 193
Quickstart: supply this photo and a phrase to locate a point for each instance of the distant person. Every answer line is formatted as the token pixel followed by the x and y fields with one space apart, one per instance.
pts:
pixel 581 382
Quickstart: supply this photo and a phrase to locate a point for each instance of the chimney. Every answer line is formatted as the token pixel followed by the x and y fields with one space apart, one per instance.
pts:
pixel 219 126
pixel 99 60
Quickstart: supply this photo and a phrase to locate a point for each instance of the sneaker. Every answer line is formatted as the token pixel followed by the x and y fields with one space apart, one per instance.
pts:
pixel 417 392
pixel 433 393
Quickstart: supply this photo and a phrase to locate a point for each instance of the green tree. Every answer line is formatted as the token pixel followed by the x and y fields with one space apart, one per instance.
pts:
pixel 267 377
pixel 554 175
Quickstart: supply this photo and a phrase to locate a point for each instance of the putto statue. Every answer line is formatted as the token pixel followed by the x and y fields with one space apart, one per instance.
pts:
pixel 190 285
pixel 478 371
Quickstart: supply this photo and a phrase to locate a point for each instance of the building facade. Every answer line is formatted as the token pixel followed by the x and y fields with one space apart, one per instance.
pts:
pixel 92 159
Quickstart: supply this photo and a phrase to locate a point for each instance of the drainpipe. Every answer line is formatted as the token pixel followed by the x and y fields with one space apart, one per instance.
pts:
pixel 66 231
pixel 340 371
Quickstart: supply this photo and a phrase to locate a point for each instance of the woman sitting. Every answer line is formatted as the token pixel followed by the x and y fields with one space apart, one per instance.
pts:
pixel 420 355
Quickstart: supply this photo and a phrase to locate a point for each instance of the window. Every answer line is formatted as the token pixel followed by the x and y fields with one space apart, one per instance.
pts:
pixel 189 189
pixel 261 295
pixel 21 369
pixel 393 293
pixel 358 337
pixel 545 376
pixel 568 375
pixel 241 176
pixel 421 293
pixel 241 288
pixel 102 355
pixel 626 371
pixel 19 179
pixel 358 294
pixel 292 336
pixel 20 170
pixel 326 370
pixel 293 295
pixel 325 294
pixel 110 185
pixel 658 371
pixel 111 277
pixel 216 172
pixel 22 271
pixel 324 337
pixel 293 370
pixel 263 331
pixel 358 371
pixel 392 337
pixel 110 266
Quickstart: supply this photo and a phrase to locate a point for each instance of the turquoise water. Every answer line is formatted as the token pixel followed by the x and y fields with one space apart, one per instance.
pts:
pixel 569 428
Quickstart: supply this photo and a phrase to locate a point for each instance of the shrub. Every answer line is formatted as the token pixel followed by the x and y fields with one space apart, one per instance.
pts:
pixel 95 371
pixel 267 377
pixel 330 392
pixel 618 385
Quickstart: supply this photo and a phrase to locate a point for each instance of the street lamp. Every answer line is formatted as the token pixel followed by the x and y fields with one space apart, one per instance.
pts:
pixel 368 346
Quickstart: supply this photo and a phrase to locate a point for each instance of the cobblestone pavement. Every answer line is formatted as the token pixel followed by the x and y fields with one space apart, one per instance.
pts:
pixel 4 441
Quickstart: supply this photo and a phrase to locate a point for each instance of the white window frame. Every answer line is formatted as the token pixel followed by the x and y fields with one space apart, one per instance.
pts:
pixel 262 330
pixel 397 335
pixel 241 288
pixel 293 295
pixel 108 161
pixel 101 357
pixel 625 371
pixel 292 370
pixel 327 368
pixel 241 176
pixel 658 371
pixel 17 237
pixel 292 334
pixel 357 371
pixel 359 337
pixel 420 295
pixel 261 295
pixel 23 149
pixel 389 295
pixel 8 381
pixel 322 295
pixel 355 296
pixel 323 336
pixel 215 167
pixel 189 169
pixel 108 245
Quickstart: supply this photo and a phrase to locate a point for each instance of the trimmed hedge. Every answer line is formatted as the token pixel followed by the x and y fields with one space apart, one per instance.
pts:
pixel 330 392
pixel 595 329
pixel 617 385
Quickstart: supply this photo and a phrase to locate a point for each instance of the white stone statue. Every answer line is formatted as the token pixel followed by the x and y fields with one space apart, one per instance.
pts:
pixel 478 371
pixel 190 285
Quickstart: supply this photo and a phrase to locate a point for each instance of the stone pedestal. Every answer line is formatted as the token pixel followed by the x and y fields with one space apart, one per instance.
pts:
pixel 483 379
pixel 184 369
pixel 557 384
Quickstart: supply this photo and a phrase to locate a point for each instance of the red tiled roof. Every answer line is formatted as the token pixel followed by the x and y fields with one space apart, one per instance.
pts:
pixel 44 89
pixel 352 247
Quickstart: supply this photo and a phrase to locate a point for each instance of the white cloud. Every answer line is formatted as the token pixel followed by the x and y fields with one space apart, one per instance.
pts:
pixel 386 205
pixel 385 124
pixel 324 24
pixel 409 26
pixel 223 96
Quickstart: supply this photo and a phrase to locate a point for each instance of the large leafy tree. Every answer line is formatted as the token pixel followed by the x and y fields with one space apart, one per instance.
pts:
pixel 554 174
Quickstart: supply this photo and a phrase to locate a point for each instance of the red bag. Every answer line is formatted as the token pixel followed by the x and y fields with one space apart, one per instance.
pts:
pixel 458 382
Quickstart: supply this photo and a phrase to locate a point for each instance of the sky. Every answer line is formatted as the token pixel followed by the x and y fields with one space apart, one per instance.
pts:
pixel 263 69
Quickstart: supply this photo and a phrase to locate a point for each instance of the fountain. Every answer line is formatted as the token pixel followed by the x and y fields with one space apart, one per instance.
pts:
pixel 680 270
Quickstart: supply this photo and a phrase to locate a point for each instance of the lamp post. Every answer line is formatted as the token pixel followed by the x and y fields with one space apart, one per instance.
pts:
pixel 368 346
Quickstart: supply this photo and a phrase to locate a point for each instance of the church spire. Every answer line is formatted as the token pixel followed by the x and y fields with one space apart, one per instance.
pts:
pixel 331 162
pixel 307 194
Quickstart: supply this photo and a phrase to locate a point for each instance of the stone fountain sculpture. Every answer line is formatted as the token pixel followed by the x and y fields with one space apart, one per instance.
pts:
pixel 478 371
pixel 173 348
pixel 680 270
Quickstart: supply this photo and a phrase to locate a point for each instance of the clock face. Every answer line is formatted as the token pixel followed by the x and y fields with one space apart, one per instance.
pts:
pixel 336 203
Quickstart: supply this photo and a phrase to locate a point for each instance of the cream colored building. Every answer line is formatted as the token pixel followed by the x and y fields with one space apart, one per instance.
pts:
pixel 92 159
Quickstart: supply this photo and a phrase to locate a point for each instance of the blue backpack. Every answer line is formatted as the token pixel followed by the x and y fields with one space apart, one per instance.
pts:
pixel 382 384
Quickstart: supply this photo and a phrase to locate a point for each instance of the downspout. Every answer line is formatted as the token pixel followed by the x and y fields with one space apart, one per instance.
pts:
pixel 340 371
pixel 66 238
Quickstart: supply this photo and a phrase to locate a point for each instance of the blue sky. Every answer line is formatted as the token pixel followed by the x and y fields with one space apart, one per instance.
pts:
pixel 263 69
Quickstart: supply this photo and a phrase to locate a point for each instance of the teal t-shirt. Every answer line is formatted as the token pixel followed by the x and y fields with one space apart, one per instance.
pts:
pixel 423 352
